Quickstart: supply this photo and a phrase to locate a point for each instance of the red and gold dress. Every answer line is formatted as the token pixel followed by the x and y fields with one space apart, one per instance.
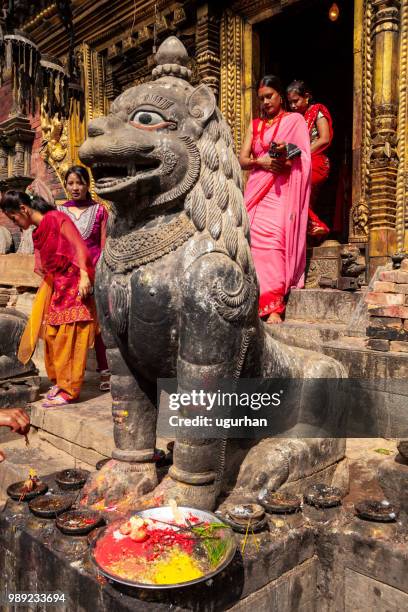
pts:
pixel 320 165
pixel 59 315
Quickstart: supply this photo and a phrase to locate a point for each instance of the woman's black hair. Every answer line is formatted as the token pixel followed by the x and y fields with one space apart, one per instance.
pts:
pixel 12 201
pixel 82 173
pixel 270 80
pixel 298 87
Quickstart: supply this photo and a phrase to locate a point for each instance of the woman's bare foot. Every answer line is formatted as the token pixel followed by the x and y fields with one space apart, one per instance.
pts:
pixel 274 318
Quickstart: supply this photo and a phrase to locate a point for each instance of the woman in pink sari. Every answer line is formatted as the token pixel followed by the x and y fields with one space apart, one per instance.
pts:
pixel 277 197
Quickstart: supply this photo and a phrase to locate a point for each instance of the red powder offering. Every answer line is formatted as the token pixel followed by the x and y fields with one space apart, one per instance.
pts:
pixel 109 549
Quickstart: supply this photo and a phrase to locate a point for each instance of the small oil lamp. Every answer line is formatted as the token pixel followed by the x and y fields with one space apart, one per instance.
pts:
pixel 334 12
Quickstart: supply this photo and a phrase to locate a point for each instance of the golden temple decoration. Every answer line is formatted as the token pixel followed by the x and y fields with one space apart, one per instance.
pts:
pixel 96 103
pixel 402 175
pixel 232 32
pixel 384 160
pixel 54 149
pixel 40 17
pixel 358 223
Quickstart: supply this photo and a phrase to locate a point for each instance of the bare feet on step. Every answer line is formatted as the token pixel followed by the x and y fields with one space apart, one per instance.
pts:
pixel 274 318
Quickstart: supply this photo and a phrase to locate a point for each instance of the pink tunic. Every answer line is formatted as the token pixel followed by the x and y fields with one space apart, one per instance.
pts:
pixel 277 206
pixel 91 225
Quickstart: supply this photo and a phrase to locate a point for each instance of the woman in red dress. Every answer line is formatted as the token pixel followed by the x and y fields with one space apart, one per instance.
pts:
pixel 320 126
pixel 90 219
pixel 63 312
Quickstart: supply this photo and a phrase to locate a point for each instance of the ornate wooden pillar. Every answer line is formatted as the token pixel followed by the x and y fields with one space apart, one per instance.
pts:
pixel 362 105
pixel 96 103
pixel 236 74
pixel 402 176
pixel 208 47
pixel 384 157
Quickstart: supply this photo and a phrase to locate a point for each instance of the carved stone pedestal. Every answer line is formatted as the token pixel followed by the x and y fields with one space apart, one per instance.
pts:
pixel 336 266
pixel 16 138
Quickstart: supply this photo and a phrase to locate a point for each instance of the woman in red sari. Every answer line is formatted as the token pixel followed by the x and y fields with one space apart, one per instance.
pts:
pixel 90 219
pixel 63 311
pixel 277 197
pixel 320 126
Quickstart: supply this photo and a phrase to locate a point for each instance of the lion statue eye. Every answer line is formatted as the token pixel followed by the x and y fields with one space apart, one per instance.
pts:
pixel 147 118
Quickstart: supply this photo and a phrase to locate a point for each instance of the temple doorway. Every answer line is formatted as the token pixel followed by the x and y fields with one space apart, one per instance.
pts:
pixel 303 43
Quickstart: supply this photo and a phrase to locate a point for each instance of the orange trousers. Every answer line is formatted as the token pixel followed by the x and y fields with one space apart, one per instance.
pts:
pixel 66 351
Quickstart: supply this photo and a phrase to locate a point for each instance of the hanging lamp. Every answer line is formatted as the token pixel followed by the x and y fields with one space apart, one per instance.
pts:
pixel 334 12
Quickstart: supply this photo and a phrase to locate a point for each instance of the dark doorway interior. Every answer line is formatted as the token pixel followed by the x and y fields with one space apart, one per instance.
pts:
pixel 302 43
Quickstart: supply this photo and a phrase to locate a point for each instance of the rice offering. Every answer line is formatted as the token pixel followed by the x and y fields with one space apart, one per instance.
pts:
pixel 150 551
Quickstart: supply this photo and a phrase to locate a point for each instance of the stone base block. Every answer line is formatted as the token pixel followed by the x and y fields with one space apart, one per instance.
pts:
pixel 36 557
pixel 393 478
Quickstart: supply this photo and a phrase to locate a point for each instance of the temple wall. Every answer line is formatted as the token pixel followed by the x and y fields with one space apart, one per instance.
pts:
pixel 115 50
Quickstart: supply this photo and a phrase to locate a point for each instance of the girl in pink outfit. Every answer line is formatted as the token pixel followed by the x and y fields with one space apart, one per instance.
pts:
pixel 90 218
pixel 277 197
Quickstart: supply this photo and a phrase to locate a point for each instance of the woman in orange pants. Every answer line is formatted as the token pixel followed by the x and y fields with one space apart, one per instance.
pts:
pixel 63 312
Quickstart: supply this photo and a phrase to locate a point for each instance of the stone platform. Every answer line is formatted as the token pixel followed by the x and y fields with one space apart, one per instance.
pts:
pixel 325 560
pixel 75 435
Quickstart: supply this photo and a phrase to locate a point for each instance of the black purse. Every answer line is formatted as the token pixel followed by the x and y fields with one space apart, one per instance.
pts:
pixel 292 151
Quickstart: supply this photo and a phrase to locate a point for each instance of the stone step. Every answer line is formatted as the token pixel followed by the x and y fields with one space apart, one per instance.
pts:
pixel 393 477
pixel 327 305
pixel 385 368
pixel 43 457
pixel 83 430
pixel 307 334
pixel 378 393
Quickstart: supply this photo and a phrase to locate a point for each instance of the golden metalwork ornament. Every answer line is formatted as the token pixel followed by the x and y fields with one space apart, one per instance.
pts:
pixel 54 149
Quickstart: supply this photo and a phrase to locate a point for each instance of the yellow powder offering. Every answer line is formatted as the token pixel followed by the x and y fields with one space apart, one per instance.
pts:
pixel 177 567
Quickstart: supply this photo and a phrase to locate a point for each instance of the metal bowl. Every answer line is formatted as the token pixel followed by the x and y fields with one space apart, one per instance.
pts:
pixel 71 479
pixel 15 491
pixel 164 513
pixel 70 522
pixel 50 506
pixel 381 511
pixel 279 502
pixel 322 496
pixel 99 465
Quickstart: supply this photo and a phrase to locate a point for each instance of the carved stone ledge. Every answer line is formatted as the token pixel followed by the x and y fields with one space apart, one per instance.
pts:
pixel 359 222
pixel 179 16
pixel 16 141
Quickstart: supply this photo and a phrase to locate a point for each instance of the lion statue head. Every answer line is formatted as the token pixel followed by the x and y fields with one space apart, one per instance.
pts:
pixel 166 147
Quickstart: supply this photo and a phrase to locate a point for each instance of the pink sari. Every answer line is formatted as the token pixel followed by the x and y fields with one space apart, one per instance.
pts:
pixel 277 207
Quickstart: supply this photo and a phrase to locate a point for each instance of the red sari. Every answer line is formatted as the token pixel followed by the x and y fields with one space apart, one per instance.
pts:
pixel 60 254
pixel 320 165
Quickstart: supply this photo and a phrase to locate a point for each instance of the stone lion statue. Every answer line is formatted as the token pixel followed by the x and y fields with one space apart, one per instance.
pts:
pixel 6 240
pixel 12 323
pixel 177 292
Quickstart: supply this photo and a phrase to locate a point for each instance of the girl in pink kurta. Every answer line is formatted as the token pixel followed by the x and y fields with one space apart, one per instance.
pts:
pixel 277 198
pixel 90 218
